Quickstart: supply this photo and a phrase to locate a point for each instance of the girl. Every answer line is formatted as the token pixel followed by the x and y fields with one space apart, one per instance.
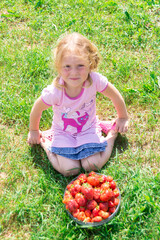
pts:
pixel 75 139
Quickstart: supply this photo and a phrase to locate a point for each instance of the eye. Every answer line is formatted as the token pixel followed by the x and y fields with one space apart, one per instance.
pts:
pixel 67 67
pixel 81 66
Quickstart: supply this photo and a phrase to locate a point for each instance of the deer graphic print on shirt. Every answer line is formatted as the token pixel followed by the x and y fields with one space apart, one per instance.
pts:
pixel 78 123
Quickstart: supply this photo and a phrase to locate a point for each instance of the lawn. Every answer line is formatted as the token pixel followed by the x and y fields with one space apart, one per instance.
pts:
pixel 31 191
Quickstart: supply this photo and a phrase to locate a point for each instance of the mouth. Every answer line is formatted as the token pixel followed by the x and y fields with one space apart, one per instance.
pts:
pixel 74 79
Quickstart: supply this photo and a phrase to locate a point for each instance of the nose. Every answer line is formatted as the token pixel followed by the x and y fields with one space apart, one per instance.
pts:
pixel 74 70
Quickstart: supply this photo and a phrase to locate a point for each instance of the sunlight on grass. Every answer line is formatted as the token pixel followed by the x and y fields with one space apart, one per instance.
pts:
pixel 127 35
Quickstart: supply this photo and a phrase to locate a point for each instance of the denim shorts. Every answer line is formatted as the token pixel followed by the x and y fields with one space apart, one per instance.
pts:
pixel 80 152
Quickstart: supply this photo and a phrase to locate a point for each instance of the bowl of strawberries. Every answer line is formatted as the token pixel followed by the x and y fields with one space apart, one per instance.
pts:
pixel 92 199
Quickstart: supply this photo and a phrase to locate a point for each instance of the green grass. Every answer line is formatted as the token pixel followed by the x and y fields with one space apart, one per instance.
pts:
pixel 127 35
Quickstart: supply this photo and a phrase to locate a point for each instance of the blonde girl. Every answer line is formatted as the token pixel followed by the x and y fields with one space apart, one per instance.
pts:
pixel 75 139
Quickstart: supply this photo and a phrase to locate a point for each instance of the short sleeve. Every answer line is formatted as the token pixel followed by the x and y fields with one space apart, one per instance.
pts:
pixel 100 81
pixel 49 95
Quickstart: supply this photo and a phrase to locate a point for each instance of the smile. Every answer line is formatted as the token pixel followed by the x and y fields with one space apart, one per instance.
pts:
pixel 74 79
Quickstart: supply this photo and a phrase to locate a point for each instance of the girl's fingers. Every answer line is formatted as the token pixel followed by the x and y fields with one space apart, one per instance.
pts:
pixel 33 142
pixel 126 129
pixel 34 137
pixel 121 126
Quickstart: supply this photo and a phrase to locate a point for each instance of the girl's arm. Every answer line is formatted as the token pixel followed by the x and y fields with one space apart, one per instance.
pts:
pixel 35 116
pixel 119 104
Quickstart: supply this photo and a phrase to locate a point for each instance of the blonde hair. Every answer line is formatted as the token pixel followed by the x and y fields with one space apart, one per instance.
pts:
pixel 80 45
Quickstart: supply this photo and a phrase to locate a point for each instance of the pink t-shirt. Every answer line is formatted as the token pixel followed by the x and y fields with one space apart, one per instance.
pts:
pixel 74 120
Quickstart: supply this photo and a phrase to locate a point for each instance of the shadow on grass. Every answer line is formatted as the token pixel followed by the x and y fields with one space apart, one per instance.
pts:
pixel 121 144
pixel 40 158
pixel 41 161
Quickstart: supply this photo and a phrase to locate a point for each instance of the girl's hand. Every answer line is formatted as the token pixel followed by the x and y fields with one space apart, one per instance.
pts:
pixel 34 137
pixel 121 125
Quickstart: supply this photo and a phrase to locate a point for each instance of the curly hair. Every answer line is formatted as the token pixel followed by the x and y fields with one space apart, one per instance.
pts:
pixel 75 43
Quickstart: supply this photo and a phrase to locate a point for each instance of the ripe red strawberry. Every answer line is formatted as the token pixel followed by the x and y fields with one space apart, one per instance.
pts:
pixel 91 204
pixel 72 205
pixel 69 186
pixel 112 185
pixel 87 213
pixel 116 201
pixel 105 186
pixel 93 180
pixel 80 199
pixel 81 216
pixel 77 188
pixel 103 206
pixel 87 190
pixel 92 173
pixel 106 195
pixel 72 190
pixel 67 193
pixel 116 192
pixel 75 214
pixel 77 181
pixel 96 194
pixel 112 209
pixel 109 179
pixel 112 198
pixel 97 219
pixel 83 178
pixel 82 209
pixel 95 211
pixel 87 219
pixel 102 179
pixel 67 197
pixel 110 204
pixel 104 214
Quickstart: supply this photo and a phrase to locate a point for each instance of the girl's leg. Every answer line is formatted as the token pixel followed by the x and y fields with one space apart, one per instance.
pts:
pixel 65 166
pixel 98 160
pixel 68 167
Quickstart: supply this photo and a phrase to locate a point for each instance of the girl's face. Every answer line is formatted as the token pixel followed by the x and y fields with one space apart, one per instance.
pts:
pixel 74 70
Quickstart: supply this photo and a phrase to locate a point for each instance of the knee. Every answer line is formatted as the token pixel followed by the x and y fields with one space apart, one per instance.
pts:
pixel 89 167
pixel 70 172
pixel 91 164
pixel 70 169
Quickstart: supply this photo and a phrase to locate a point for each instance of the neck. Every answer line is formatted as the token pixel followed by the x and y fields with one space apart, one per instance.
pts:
pixel 73 92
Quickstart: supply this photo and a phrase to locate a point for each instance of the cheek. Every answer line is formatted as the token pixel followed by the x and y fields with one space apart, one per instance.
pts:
pixel 84 73
pixel 64 72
